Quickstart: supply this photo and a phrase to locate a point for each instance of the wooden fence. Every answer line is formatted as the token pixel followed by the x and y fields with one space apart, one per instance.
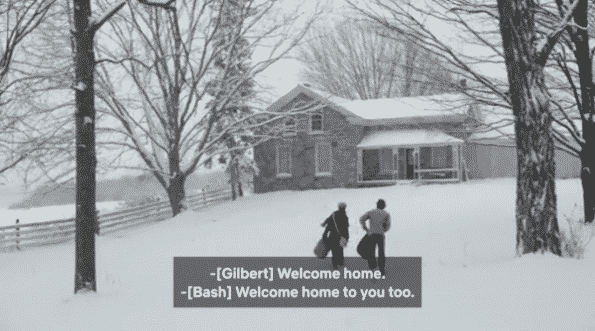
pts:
pixel 53 232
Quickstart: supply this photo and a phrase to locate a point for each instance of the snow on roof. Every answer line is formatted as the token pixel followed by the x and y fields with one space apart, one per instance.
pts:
pixel 320 96
pixel 498 121
pixel 426 106
pixel 366 111
pixel 409 138
pixel 328 95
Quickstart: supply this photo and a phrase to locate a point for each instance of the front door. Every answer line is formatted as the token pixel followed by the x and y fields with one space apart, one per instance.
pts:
pixel 410 163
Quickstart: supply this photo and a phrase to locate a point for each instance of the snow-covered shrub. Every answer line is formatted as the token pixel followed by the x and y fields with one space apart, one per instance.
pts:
pixel 576 237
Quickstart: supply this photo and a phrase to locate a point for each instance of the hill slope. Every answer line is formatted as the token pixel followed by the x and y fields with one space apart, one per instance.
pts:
pixel 129 188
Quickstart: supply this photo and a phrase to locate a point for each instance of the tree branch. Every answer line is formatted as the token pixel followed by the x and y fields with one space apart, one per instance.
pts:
pixel 552 38
pixel 166 5
pixel 109 14
pixel 122 61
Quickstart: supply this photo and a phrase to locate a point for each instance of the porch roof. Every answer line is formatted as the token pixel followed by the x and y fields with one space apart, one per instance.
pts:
pixel 408 138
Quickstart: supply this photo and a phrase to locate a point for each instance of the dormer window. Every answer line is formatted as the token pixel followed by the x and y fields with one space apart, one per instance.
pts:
pixel 316 122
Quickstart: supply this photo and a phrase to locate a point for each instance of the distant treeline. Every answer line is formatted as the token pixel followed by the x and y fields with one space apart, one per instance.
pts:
pixel 127 188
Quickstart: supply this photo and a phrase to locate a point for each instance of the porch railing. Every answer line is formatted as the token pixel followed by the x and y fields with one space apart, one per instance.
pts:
pixel 448 174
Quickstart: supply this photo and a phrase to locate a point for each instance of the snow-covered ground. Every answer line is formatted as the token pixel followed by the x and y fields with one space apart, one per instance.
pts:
pixel 51 213
pixel 465 234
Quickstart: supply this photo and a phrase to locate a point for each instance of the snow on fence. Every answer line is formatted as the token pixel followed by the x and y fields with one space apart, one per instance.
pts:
pixel 53 232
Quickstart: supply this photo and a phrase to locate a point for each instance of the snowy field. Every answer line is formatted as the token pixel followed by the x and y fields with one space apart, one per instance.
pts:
pixel 51 213
pixel 465 234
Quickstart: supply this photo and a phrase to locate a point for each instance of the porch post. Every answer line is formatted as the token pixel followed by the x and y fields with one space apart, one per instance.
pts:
pixel 359 165
pixel 416 159
pixel 395 158
pixel 455 157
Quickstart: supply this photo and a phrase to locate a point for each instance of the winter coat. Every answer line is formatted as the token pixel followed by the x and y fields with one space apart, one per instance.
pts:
pixel 379 221
pixel 342 222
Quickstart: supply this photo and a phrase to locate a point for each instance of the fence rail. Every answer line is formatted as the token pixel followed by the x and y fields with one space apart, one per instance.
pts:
pixel 53 232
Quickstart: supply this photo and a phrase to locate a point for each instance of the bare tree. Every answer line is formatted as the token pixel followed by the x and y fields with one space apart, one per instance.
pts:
pixel 167 117
pixel 233 63
pixel 84 29
pixel 536 202
pixel 354 60
pixel 20 18
pixel 568 71
pixel 537 224
pixel 578 42
pixel 21 122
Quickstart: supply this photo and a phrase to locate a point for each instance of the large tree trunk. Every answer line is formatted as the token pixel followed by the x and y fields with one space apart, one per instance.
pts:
pixel 177 194
pixel 580 39
pixel 240 190
pixel 536 214
pixel 233 191
pixel 85 148
pixel 587 176
pixel 233 178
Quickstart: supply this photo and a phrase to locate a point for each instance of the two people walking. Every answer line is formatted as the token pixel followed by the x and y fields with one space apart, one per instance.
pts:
pixel 336 234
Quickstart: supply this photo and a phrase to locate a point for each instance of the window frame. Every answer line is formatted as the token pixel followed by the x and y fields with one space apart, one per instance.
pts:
pixel 278 159
pixel 316 161
pixel 448 148
pixel 310 122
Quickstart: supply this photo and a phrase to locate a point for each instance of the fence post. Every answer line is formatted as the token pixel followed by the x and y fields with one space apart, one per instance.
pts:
pixel 17 234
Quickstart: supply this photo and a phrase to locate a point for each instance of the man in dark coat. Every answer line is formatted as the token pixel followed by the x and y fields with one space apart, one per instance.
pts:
pixel 337 227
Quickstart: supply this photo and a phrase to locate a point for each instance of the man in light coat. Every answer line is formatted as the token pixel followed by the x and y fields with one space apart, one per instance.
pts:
pixel 379 225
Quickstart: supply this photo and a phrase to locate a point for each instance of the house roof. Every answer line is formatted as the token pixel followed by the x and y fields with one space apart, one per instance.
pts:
pixel 444 107
pixel 410 138
pixel 425 106
pixel 325 98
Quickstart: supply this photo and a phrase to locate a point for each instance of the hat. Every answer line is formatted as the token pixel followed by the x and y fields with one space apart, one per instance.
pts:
pixel 342 205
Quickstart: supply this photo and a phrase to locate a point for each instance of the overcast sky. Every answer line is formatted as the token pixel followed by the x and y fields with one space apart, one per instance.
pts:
pixel 284 75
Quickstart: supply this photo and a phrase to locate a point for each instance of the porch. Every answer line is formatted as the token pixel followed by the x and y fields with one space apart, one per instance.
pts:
pixel 387 157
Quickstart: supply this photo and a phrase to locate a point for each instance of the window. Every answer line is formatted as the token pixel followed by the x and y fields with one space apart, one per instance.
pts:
pixel 290 126
pixel 441 157
pixel 425 157
pixel 283 161
pixel 316 123
pixel 324 159
pixel 302 124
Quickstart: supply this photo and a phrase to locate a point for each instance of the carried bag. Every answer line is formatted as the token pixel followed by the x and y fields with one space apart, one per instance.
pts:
pixel 321 251
pixel 343 241
pixel 366 247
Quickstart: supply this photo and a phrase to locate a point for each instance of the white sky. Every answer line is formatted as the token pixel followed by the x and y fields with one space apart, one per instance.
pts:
pixel 285 73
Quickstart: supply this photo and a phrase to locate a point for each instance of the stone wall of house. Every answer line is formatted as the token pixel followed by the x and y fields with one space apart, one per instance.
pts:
pixel 337 131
